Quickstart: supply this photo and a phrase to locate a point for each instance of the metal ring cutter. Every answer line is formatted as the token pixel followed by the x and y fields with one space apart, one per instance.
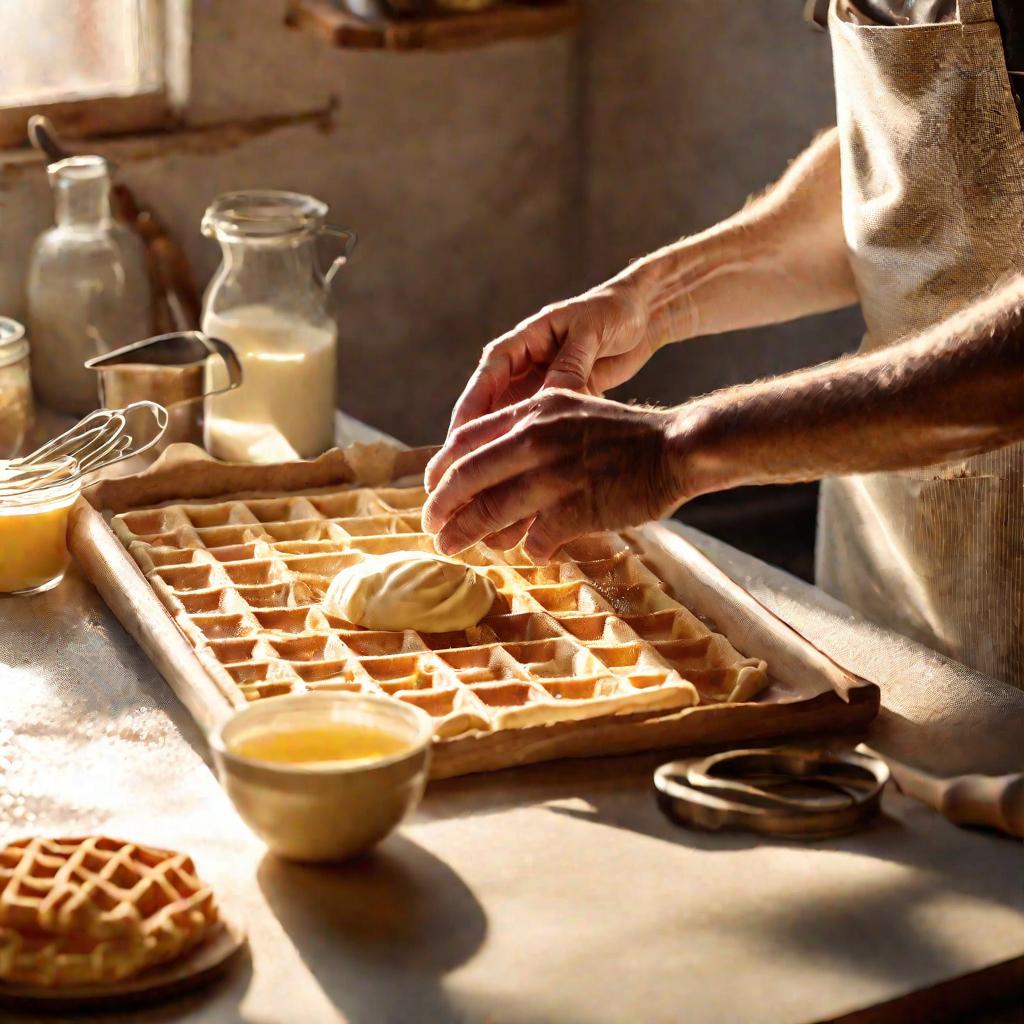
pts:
pixel 780 791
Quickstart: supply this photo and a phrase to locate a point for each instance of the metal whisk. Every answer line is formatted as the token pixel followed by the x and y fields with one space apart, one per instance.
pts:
pixel 95 442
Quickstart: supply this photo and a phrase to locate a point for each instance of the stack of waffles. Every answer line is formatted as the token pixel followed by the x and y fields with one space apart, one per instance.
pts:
pixel 592 634
pixel 96 911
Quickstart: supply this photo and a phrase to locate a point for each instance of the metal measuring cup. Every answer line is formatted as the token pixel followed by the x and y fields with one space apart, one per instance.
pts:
pixel 170 370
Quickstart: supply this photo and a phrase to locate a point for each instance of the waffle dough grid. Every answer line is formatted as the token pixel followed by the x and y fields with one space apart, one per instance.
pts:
pixel 96 910
pixel 592 634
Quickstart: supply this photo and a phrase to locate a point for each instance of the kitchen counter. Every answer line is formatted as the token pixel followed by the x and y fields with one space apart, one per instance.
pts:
pixel 556 892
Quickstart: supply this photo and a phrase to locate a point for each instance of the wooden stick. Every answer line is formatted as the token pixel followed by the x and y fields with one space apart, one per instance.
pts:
pixel 991 801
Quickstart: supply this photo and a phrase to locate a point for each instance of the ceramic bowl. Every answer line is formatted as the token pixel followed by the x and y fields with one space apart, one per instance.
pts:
pixel 324 811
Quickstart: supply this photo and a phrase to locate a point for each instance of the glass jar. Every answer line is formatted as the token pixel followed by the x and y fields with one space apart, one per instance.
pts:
pixel 271 303
pixel 33 531
pixel 15 387
pixel 88 288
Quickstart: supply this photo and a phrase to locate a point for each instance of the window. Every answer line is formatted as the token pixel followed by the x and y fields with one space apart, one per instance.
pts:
pixel 94 66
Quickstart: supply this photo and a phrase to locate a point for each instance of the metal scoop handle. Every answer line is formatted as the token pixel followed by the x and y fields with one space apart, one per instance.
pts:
pixel 221 348
pixel 134 355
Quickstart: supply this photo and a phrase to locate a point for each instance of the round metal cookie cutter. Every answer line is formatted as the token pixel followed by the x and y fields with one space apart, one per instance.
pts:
pixel 781 791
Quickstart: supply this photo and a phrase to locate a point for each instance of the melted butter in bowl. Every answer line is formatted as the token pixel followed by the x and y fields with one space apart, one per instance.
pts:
pixel 323 776
pixel 323 746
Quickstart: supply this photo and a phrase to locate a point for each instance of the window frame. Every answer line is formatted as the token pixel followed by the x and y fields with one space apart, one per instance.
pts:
pixel 112 114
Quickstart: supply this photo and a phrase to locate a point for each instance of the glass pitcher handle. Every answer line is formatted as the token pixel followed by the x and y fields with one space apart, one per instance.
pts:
pixel 348 240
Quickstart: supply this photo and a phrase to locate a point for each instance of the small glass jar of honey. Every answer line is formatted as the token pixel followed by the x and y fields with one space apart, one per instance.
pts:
pixel 33 528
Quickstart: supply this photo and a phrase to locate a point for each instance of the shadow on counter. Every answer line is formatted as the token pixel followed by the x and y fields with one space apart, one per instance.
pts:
pixel 917 852
pixel 379 933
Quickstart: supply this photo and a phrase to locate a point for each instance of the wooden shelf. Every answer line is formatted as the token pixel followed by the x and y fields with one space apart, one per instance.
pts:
pixel 433 32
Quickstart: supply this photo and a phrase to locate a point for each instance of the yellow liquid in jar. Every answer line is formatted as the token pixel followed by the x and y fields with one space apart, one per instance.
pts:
pixel 333 743
pixel 33 548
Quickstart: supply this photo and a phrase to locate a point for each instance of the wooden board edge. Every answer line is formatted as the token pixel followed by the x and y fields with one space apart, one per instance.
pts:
pixel 696 728
pixel 113 572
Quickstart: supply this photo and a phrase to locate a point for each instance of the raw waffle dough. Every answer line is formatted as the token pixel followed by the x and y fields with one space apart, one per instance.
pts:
pixel 592 634
pixel 410 590
pixel 95 910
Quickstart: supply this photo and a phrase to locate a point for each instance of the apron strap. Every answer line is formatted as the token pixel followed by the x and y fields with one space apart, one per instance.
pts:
pixel 972 12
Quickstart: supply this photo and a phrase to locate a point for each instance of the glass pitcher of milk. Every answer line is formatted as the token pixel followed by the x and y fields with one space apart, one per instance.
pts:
pixel 271 303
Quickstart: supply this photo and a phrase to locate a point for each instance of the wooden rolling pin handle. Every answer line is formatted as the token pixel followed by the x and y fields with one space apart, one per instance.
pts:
pixel 992 801
pixel 996 801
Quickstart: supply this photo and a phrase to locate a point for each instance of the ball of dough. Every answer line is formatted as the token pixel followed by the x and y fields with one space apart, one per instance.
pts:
pixel 410 590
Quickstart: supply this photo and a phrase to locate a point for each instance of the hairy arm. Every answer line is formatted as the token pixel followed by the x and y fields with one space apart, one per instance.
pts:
pixel 953 392
pixel 783 256
pixel 561 464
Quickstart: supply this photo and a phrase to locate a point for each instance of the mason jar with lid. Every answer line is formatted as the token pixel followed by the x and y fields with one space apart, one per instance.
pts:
pixel 271 303
pixel 16 411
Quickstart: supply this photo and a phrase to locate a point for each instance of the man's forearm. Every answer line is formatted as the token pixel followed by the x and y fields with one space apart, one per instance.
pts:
pixel 956 391
pixel 782 257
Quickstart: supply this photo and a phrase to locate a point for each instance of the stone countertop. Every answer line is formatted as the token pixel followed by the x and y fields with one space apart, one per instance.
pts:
pixel 555 892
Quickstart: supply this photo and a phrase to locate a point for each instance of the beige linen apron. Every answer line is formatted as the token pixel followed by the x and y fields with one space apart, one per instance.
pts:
pixel 933 210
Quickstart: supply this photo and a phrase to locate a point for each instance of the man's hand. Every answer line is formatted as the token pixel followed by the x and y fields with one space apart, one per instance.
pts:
pixel 551 469
pixel 560 464
pixel 587 344
pixel 523 460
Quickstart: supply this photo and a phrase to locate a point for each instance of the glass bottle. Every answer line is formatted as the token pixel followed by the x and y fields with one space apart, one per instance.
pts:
pixel 270 302
pixel 88 289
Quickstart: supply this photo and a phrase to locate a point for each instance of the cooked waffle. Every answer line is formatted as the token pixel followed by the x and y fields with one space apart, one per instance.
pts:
pixel 594 633
pixel 95 911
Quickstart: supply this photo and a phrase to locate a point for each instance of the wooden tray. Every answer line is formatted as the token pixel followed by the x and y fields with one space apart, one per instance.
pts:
pixel 199 966
pixel 809 694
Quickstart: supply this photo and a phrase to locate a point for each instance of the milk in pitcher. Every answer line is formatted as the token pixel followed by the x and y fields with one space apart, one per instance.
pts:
pixel 285 406
pixel 272 303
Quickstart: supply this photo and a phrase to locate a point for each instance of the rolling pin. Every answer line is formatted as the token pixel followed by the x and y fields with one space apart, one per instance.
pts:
pixel 990 801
